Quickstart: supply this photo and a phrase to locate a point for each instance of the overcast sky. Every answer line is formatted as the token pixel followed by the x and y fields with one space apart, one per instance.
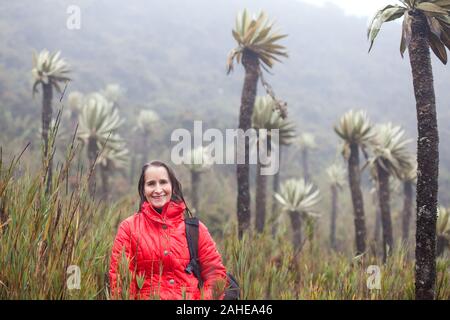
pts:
pixel 361 8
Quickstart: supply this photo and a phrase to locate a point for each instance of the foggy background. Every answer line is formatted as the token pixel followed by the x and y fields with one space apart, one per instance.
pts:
pixel 170 56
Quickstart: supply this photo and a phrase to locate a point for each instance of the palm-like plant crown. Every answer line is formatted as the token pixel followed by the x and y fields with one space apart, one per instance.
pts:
pixel 393 182
pixel 306 140
pixel 49 68
pixel 198 160
pixel 297 195
pixel 113 92
pixel 147 120
pixel 99 120
pixel 443 222
pixel 75 101
pixel 115 154
pixel 265 116
pixel 354 128
pixel 337 174
pixel 411 173
pixel 390 150
pixel 436 13
pixel 256 35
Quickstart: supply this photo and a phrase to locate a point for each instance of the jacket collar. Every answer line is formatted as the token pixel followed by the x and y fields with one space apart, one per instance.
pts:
pixel 172 212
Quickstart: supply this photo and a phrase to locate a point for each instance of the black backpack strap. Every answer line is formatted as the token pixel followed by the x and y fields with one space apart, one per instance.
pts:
pixel 192 240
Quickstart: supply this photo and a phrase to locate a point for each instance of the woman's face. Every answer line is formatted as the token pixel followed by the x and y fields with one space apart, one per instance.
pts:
pixel 157 186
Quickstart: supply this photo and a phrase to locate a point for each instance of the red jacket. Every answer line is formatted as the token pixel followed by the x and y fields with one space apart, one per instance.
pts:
pixel 157 250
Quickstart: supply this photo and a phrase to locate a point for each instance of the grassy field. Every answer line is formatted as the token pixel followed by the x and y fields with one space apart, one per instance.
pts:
pixel 42 235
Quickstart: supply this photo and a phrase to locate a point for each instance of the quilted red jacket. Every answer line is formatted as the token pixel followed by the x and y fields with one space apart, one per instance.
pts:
pixel 157 252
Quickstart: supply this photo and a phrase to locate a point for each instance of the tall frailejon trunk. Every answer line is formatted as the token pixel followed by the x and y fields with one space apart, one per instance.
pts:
pixel 73 121
pixel 144 149
pixel 407 209
pixel 334 199
pixel 251 65
pixel 305 164
pixel 92 151
pixel 441 244
pixel 105 181
pixel 427 157
pixel 276 188
pixel 377 231
pixel 147 145
pixel 132 168
pixel 296 222
pixel 354 177
pixel 133 160
pixel 384 199
pixel 47 111
pixel 195 181
pixel 261 186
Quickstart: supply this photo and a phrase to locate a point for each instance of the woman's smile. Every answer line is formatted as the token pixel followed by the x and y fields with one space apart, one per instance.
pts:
pixel 157 187
pixel 160 197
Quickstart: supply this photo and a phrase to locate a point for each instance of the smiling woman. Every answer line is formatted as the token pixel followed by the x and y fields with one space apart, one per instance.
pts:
pixel 155 246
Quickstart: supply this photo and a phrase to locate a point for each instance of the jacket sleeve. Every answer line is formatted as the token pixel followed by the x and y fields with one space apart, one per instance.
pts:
pixel 121 243
pixel 212 269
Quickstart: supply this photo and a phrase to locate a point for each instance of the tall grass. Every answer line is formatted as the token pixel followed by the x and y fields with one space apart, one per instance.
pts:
pixel 41 235
pixel 267 268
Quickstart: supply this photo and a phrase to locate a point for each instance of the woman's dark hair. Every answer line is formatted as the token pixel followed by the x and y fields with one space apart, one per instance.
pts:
pixel 177 191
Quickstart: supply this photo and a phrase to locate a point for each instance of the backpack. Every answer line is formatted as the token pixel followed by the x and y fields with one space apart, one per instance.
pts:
pixel 232 291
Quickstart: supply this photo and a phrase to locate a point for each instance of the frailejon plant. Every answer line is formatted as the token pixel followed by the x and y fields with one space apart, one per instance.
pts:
pixel 306 142
pixel 199 162
pixel 391 157
pixel 49 70
pixel 147 124
pixel 356 131
pixel 257 43
pixel 409 180
pixel 265 116
pixel 336 175
pixel 298 199
pixel 98 125
pixel 426 24
pixel 113 157
pixel 443 230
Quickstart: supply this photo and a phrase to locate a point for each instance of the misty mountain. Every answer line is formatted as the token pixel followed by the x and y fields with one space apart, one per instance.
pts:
pixel 170 56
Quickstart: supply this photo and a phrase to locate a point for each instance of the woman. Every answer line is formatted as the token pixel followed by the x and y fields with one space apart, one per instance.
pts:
pixel 155 245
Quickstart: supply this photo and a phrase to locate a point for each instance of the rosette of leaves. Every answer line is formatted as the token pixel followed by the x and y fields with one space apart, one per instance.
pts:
pixel 337 175
pixel 257 36
pixel 198 162
pixel 354 127
pixel 265 116
pixel 437 17
pixel 49 68
pixel 298 198
pixel 98 125
pixel 390 148
pixel 443 230
pixel 356 132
